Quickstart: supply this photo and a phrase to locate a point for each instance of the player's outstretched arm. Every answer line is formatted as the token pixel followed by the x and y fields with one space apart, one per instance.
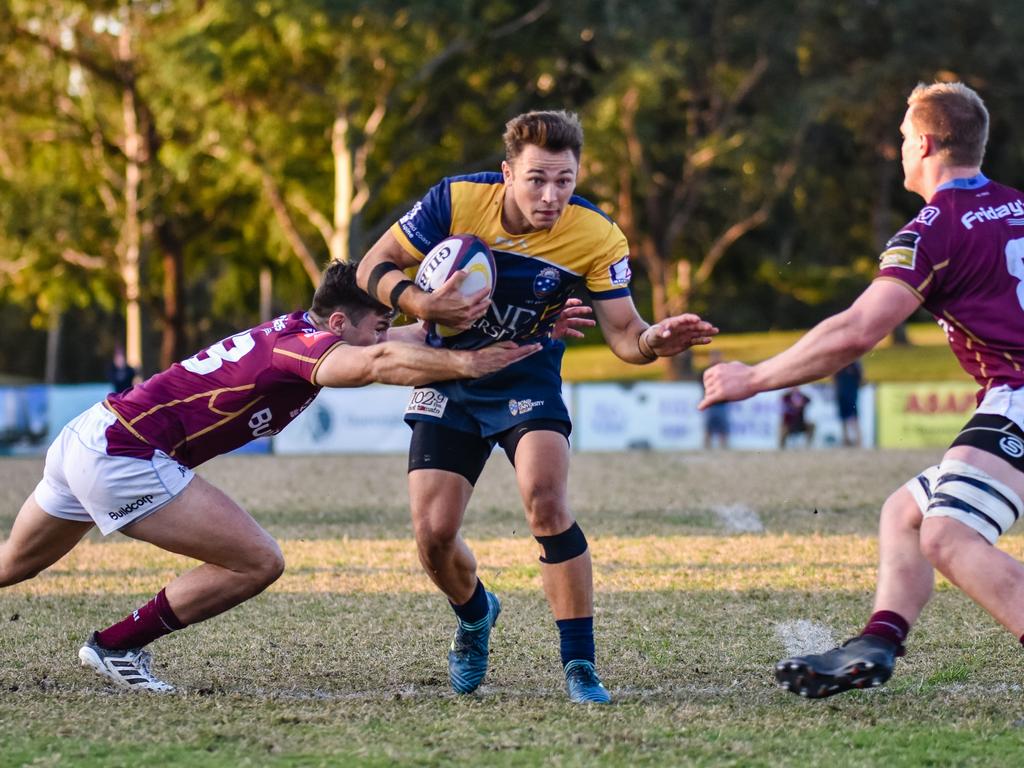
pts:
pixel 380 274
pixel 830 345
pixel 393 362
pixel 634 341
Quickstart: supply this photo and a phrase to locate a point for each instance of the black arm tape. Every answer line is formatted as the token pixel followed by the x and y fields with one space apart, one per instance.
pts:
pixel 563 546
pixel 397 291
pixel 376 274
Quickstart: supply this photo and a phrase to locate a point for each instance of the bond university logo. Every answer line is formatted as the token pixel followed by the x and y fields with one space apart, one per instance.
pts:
pixel 900 251
pixel 546 282
pixel 1012 446
pixel 517 407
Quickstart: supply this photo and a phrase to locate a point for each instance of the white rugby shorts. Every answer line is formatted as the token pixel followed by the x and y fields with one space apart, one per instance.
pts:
pixel 82 483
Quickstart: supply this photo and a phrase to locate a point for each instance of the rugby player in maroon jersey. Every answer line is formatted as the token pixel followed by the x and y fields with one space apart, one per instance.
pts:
pixel 126 463
pixel 962 259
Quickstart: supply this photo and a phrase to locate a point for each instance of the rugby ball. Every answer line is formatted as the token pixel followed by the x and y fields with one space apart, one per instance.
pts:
pixel 465 252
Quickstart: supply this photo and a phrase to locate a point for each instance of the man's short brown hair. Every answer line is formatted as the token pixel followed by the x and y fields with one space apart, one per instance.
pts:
pixel 338 292
pixel 955 117
pixel 554 131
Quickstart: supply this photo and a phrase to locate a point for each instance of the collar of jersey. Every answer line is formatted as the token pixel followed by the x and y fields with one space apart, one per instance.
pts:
pixel 971 182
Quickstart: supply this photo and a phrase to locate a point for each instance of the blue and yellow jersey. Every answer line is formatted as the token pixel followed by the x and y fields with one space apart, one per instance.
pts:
pixel 536 272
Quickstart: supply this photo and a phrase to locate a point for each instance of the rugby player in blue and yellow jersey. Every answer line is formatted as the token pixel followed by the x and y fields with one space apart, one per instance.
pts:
pixel 546 242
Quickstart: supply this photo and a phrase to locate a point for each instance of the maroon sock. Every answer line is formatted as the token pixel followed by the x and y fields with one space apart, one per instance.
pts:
pixel 154 619
pixel 888 625
pixel 1022 639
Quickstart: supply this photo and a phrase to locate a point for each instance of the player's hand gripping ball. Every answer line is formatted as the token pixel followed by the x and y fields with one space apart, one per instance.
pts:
pixel 465 252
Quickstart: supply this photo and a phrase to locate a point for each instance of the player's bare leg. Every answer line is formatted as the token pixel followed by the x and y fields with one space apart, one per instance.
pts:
pixel 542 470
pixel 240 560
pixel 905 583
pixel 987 575
pixel 438 501
pixel 36 542
pixel 905 577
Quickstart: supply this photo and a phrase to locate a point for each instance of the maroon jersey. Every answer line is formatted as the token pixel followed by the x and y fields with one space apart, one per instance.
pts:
pixel 246 386
pixel 963 255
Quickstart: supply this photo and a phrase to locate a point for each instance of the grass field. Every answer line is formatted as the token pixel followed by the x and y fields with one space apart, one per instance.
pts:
pixel 709 568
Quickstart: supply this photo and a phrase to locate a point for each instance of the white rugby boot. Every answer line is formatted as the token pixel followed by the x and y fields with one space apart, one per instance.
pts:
pixel 128 668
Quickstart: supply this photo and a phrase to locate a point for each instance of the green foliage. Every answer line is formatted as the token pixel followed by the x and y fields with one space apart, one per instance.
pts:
pixel 778 118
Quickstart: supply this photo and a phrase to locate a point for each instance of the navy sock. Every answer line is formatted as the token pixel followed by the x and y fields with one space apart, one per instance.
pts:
pixel 474 609
pixel 577 639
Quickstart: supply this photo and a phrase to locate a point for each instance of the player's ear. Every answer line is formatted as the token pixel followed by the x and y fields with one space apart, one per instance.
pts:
pixel 337 322
pixel 506 171
pixel 926 144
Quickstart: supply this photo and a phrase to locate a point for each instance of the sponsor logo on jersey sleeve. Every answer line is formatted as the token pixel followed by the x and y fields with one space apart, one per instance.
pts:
pixel 928 215
pixel 427 402
pixel 619 272
pixel 310 337
pixel 900 251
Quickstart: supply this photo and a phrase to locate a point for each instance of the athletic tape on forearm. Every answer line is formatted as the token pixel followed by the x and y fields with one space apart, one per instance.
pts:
pixel 376 274
pixel 397 292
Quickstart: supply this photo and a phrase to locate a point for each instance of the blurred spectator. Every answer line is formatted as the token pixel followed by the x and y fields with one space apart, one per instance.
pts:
pixel 848 381
pixel 716 417
pixel 120 375
pixel 794 422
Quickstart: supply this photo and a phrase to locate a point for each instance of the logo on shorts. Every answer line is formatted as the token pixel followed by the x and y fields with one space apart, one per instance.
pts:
pixel 428 402
pixel 516 407
pixel 1012 447
pixel 127 509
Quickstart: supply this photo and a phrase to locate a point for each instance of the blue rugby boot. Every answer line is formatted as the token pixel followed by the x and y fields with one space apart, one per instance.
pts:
pixel 583 684
pixel 467 657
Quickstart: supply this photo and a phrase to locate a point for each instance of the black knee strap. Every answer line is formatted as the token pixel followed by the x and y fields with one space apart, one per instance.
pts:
pixel 563 546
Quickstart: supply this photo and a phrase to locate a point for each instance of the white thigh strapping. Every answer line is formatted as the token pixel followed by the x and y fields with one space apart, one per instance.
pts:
pixel 975 498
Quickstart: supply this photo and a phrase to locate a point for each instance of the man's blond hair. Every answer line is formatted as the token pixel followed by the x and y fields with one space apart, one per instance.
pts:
pixel 956 119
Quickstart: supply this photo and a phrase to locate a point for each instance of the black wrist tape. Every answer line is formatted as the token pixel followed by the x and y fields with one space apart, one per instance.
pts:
pixel 397 291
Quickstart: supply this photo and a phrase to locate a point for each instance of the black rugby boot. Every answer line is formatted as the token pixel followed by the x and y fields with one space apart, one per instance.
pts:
pixel 865 661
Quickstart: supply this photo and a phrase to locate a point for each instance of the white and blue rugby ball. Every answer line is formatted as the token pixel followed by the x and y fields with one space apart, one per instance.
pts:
pixel 465 252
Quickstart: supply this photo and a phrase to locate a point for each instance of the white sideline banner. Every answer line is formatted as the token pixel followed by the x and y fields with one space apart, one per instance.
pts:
pixel 364 420
pixel 663 416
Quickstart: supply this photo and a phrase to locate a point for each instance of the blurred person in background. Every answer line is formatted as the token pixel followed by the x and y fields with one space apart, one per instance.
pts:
pixel 120 375
pixel 716 417
pixel 847 381
pixel 794 417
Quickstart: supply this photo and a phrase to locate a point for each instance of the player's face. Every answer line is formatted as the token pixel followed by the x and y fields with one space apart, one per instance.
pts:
pixel 538 185
pixel 372 329
pixel 911 154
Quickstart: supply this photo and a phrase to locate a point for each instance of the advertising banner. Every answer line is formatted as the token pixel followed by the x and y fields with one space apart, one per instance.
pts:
pixel 663 416
pixel 923 415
